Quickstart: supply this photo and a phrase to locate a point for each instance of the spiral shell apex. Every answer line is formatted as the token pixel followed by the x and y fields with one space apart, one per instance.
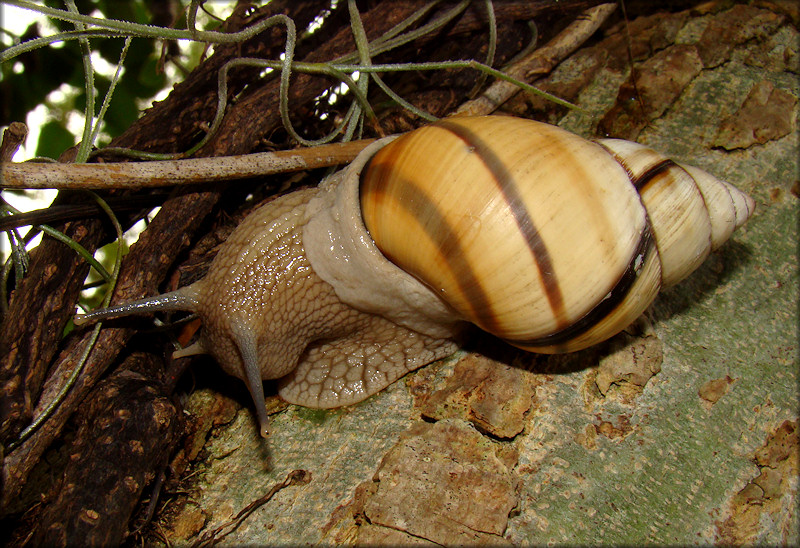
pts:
pixel 538 236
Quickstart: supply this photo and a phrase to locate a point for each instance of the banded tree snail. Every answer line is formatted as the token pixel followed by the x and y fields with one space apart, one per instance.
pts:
pixel 547 240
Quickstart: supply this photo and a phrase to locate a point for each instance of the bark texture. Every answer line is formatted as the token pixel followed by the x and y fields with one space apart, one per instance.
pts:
pixel 125 436
pixel 659 437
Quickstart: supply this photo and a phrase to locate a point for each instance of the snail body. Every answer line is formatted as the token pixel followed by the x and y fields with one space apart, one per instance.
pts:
pixel 549 241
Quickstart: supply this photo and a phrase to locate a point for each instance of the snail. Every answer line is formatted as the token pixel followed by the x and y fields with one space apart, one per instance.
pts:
pixel 544 239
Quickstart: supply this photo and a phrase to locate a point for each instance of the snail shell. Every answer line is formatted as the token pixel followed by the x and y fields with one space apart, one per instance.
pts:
pixel 542 238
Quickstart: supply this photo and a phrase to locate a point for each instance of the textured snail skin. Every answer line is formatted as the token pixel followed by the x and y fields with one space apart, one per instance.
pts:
pixel 266 314
pixel 578 236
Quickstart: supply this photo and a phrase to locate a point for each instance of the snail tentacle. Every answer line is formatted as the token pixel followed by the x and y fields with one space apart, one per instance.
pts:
pixel 184 298
pixel 247 343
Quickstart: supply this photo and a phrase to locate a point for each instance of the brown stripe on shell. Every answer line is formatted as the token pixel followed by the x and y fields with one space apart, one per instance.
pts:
pixel 605 307
pixel 670 179
pixel 442 233
pixel 507 185
pixel 640 181
pixel 626 282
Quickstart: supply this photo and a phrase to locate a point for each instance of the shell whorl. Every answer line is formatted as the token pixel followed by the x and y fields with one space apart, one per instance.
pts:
pixel 692 212
pixel 540 237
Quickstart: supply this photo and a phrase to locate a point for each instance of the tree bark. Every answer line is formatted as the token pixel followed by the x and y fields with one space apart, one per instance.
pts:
pixel 42 303
pixel 125 436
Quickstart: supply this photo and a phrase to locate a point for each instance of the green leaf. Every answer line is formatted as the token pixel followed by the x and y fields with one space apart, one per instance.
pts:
pixel 54 140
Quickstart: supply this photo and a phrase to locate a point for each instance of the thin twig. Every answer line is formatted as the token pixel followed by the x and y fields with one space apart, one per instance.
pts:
pixel 629 48
pixel 176 172
pixel 540 61
pixel 210 538
pixel 168 172
pixel 151 505
pixel 197 170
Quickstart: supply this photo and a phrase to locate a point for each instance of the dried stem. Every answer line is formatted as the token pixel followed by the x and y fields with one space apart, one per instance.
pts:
pixel 133 175
pixel 539 62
